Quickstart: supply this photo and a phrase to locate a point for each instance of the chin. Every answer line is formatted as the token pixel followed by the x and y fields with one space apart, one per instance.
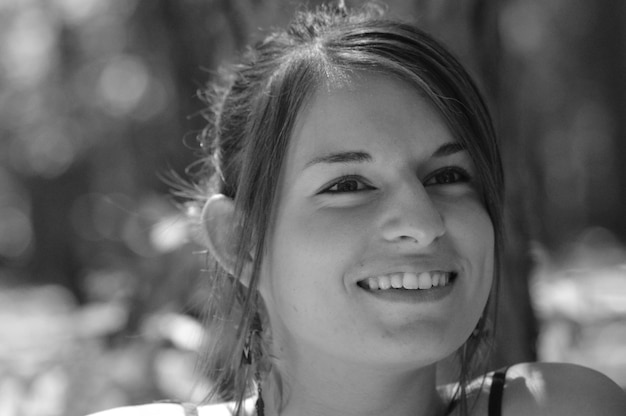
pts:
pixel 412 353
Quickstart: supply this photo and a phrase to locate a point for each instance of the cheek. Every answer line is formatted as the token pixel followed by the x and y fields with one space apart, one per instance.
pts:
pixel 472 228
pixel 323 234
pixel 302 280
pixel 308 250
pixel 472 231
pixel 309 254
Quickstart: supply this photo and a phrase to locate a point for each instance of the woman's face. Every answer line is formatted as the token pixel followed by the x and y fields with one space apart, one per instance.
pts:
pixel 381 251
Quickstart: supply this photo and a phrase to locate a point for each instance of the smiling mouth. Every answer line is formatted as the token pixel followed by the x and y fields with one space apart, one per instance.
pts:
pixel 409 281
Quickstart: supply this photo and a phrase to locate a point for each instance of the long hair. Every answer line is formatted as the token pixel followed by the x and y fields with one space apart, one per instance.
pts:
pixel 251 113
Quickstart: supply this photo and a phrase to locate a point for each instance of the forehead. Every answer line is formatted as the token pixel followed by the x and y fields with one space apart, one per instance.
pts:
pixel 372 111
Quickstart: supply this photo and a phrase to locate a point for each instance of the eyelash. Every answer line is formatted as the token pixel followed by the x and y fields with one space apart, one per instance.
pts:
pixel 460 176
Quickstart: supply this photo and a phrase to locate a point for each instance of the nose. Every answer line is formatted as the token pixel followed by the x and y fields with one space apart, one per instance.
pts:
pixel 410 217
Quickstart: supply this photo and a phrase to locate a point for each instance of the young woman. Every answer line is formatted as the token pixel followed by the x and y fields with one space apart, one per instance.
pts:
pixel 354 206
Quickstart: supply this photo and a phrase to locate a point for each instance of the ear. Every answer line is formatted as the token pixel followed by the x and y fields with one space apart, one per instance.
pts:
pixel 222 233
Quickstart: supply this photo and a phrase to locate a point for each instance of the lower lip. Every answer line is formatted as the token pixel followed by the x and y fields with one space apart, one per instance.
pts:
pixel 412 295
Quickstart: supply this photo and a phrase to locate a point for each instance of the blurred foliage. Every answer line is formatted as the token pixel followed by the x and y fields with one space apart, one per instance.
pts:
pixel 100 269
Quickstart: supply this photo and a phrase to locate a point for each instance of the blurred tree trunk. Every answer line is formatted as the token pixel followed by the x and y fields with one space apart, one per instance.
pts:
pixel 619 109
pixel 54 258
pixel 604 47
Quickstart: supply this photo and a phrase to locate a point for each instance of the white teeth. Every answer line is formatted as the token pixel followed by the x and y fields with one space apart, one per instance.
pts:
pixel 425 281
pixel 384 282
pixel 411 281
pixel 396 280
pixel 435 279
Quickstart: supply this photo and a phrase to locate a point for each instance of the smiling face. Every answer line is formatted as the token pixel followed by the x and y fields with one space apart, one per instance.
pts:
pixel 381 251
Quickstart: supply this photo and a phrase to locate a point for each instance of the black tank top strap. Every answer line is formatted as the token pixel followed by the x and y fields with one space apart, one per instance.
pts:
pixel 496 392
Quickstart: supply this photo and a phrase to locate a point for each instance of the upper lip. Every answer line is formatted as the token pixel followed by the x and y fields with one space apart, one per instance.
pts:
pixel 415 266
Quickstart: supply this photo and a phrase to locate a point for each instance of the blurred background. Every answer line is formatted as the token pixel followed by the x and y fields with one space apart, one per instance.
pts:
pixel 100 281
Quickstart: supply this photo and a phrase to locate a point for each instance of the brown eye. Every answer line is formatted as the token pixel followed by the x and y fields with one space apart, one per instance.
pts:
pixel 349 185
pixel 447 176
pixel 346 185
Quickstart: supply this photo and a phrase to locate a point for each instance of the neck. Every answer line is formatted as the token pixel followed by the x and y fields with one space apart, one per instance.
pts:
pixel 319 388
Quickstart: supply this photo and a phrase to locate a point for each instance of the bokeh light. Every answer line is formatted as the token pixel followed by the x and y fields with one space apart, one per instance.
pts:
pixel 122 84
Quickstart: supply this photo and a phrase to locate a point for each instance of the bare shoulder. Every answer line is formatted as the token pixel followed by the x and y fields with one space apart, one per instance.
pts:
pixel 155 409
pixel 168 409
pixel 560 389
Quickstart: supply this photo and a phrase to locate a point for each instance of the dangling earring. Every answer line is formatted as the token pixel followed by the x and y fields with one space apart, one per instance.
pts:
pixel 251 356
pixel 251 346
pixel 259 405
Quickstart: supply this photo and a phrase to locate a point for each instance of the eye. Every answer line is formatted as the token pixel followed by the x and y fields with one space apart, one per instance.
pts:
pixel 447 176
pixel 347 184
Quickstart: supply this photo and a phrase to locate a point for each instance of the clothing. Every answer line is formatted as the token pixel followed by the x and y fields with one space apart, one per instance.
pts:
pixel 496 393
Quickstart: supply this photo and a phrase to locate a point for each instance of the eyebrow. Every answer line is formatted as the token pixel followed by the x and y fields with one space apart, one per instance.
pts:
pixel 446 149
pixel 449 149
pixel 342 157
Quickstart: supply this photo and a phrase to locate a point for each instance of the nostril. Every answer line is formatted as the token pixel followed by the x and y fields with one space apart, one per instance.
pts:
pixel 409 238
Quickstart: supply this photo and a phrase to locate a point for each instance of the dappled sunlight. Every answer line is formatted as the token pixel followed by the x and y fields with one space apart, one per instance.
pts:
pixel 580 301
pixel 61 359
